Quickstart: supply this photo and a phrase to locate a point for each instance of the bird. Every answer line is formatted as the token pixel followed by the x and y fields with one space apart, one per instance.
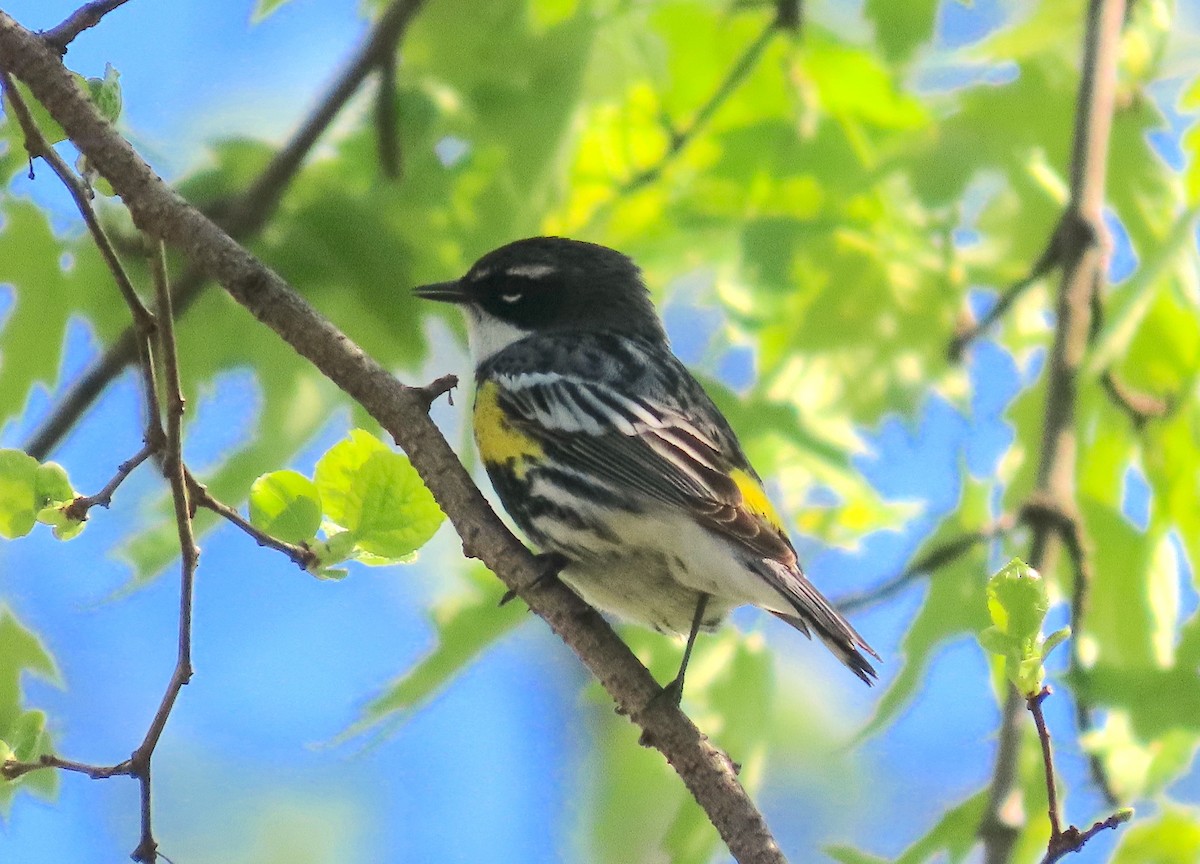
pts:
pixel 612 459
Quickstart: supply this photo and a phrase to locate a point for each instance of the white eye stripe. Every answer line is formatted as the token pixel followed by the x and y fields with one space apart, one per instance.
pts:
pixel 511 298
pixel 531 271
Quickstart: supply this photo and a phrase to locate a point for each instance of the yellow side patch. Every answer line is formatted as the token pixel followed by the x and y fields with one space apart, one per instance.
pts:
pixel 756 499
pixel 499 442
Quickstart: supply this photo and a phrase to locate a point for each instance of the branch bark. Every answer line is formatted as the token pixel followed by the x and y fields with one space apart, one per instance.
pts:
pixel 1084 261
pixel 158 211
pixel 243 218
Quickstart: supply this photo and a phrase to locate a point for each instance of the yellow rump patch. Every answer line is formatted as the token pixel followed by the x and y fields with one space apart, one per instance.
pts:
pixel 499 442
pixel 755 499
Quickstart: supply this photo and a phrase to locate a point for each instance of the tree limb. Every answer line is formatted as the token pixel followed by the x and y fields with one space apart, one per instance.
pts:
pixel 86 16
pixel 244 218
pixel 159 211
pixel 1083 259
pixel 926 565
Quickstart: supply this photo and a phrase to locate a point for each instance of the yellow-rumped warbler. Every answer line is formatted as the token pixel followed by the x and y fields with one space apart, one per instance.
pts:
pixel 611 457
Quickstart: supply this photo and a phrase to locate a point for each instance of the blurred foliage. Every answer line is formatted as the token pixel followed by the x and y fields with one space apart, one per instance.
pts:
pixel 847 191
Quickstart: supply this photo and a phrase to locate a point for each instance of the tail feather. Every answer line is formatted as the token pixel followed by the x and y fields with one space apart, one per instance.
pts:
pixel 815 613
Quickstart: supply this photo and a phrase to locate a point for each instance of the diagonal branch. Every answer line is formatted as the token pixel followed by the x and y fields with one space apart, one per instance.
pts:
pixel 738 73
pixel 1083 259
pixel 1050 258
pixel 927 565
pixel 156 209
pixel 242 219
pixel 83 18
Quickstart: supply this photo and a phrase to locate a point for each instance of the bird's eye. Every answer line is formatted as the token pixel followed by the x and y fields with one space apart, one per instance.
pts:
pixel 510 299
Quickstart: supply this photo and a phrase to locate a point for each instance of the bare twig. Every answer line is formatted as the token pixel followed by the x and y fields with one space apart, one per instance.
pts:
pixel 86 16
pixel 445 384
pixel 1083 258
pixel 680 138
pixel 37 146
pixel 926 565
pixel 1050 258
pixel 12 769
pixel 387 127
pixel 173 470
pixel 1139 407
pixel 201 497
pixel 707 772
pixel 1062 841
pixel 243 219
pixel 78 509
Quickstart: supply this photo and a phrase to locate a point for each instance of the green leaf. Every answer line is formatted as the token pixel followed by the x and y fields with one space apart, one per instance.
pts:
pixel 19 504
pixel 465 625
pixel 51 131
pixel 955 833
pixel 1171 838
pixel 1017 602
pixel 263 8
pixel 850 855
pixel 900 28
pixel 286 505
pixel 377 495
pixel 106 93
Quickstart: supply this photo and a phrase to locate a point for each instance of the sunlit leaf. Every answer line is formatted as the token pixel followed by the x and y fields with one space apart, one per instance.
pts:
pixel 286 505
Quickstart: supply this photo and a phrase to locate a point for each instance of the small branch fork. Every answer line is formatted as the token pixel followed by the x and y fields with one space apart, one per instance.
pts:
pixel 1072 839
pixel 83 18
pixel 243 218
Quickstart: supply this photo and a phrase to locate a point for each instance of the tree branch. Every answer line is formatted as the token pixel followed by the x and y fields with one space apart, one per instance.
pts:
pixel 1083 257
pixel 201 497
pixel 156 209
pixel 926 565
pixel 729 84
pixel 1139 407
pixel 242 219
pixel 1050 258
pixel 1072 839
pixel 83 18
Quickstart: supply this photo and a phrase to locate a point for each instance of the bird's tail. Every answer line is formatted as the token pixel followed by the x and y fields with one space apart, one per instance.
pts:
pixel 815 613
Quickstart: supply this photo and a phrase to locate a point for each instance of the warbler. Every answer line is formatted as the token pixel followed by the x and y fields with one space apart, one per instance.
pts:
pixel 613 460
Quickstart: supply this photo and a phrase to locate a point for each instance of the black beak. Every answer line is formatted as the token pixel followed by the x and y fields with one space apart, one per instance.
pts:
pixel 443 292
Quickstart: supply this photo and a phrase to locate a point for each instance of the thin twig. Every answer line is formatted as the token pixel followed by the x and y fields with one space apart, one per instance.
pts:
pixel 86 16
pixel 1071 839
pixel 173 469
pixel 1071 532
pixel 201 497
pixel 12 769
pixel 680 138
pixel 1083 258
pixel 78 509
pixel 37 146
pixel 1139 407
pixel 242 220
pixel 387 126
pixel 926 565
pixel 1034 704
pixel 1050 258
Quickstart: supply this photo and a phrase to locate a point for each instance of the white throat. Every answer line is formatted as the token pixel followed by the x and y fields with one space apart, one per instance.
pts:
pixel 488 335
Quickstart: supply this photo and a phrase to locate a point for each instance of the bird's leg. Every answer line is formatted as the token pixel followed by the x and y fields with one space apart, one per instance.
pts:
pixel 674 690
pixel 549 565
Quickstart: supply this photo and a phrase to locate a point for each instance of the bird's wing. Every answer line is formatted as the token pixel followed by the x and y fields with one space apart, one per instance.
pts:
pixel 645 444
